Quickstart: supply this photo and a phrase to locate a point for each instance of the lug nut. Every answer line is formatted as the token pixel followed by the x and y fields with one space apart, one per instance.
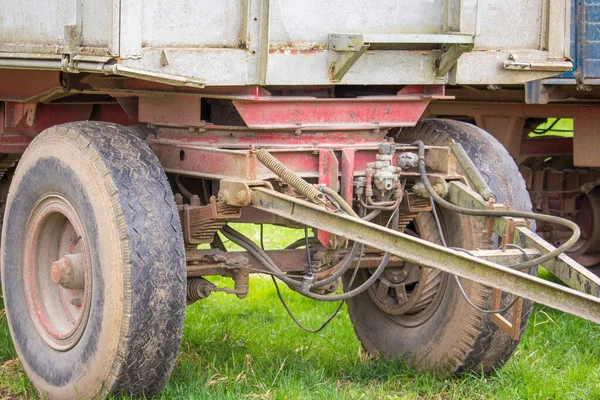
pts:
pixel 76 301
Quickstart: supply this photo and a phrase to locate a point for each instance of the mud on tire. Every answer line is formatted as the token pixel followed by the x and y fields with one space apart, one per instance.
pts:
pixel 121 215
pixel 454 337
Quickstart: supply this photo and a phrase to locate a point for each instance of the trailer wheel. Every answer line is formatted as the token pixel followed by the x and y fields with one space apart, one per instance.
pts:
pixel 93 273
pixel 448 335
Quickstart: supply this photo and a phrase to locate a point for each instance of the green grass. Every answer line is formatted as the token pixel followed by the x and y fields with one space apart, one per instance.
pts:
pixel 250 349
pixel 563 127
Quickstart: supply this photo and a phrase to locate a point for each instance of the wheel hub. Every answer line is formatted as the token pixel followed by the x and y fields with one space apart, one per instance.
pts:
pixel 68 272
pixel 57 273
pixel 409 294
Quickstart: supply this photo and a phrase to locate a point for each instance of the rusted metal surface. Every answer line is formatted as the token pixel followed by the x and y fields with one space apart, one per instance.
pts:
pixel 513 327
pixel 410 207
pixel 238 137
pixel 29 86
pixel 114 113
pixel 58 298
pixel 313 113
pixel 570 194
pixel 586 125
pixel 289 177
pixel 546 147
pixel 424 253
pixel 29 119
pixel 328 176
pixel 213 262
pixel 12 144
pixel 186 158
pixel 169 110
pixel 347 175
pixel 201 223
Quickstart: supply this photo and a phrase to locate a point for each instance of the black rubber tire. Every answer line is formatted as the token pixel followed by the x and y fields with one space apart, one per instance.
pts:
pixel 119 189
pixel 456 337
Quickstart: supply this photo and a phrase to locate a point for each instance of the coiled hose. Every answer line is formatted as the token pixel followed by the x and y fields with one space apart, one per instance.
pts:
pixel 497 213
pixel 264 259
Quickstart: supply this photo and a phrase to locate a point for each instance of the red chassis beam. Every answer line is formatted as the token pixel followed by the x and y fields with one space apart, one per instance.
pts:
pixel 273 112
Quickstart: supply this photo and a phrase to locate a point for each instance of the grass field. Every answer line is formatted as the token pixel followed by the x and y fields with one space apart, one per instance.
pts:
pixel 250 349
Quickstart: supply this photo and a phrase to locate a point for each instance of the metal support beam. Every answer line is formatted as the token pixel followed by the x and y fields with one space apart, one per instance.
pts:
pixel 451 56
pixel 339 68
pixel 421 252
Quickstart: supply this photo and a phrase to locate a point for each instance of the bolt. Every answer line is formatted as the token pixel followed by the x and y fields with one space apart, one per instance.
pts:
pixel 243 198
pixel 195 201
pixel 223 196
pixel 178 198
pixel 56 269
pixel 419 190
pixel 76 301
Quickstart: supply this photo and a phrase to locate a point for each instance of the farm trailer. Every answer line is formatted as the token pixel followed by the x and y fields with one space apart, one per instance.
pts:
pixel 133 132
pixel 561 170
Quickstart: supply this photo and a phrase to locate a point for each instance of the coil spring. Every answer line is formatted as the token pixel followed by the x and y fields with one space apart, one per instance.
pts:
pixel 290 177
pixel 472 172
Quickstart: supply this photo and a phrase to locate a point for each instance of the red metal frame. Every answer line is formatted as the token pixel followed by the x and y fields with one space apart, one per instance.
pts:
pixel 506 122
pixel 271 112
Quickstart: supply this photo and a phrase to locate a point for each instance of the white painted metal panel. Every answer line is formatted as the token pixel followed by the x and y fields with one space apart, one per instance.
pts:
pixel 192 23
pixel 285 42
pixel 307 23
pixel 510 24
pixel 39 22
pixel 40 26
pixel 96 23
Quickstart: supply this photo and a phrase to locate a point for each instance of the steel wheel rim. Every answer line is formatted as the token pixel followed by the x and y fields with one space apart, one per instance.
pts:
pixel 57 272
pixel 420 301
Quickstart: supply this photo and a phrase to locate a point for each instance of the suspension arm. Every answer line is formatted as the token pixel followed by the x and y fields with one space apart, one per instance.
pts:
pixel 421 252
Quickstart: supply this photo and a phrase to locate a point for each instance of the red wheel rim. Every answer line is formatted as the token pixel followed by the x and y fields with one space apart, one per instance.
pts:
pixel 56 273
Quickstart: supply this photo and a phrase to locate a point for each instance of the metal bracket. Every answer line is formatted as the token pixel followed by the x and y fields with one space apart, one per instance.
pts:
pixel 450 57
pixel 353 46
pixel 512 328
pixel 551 65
